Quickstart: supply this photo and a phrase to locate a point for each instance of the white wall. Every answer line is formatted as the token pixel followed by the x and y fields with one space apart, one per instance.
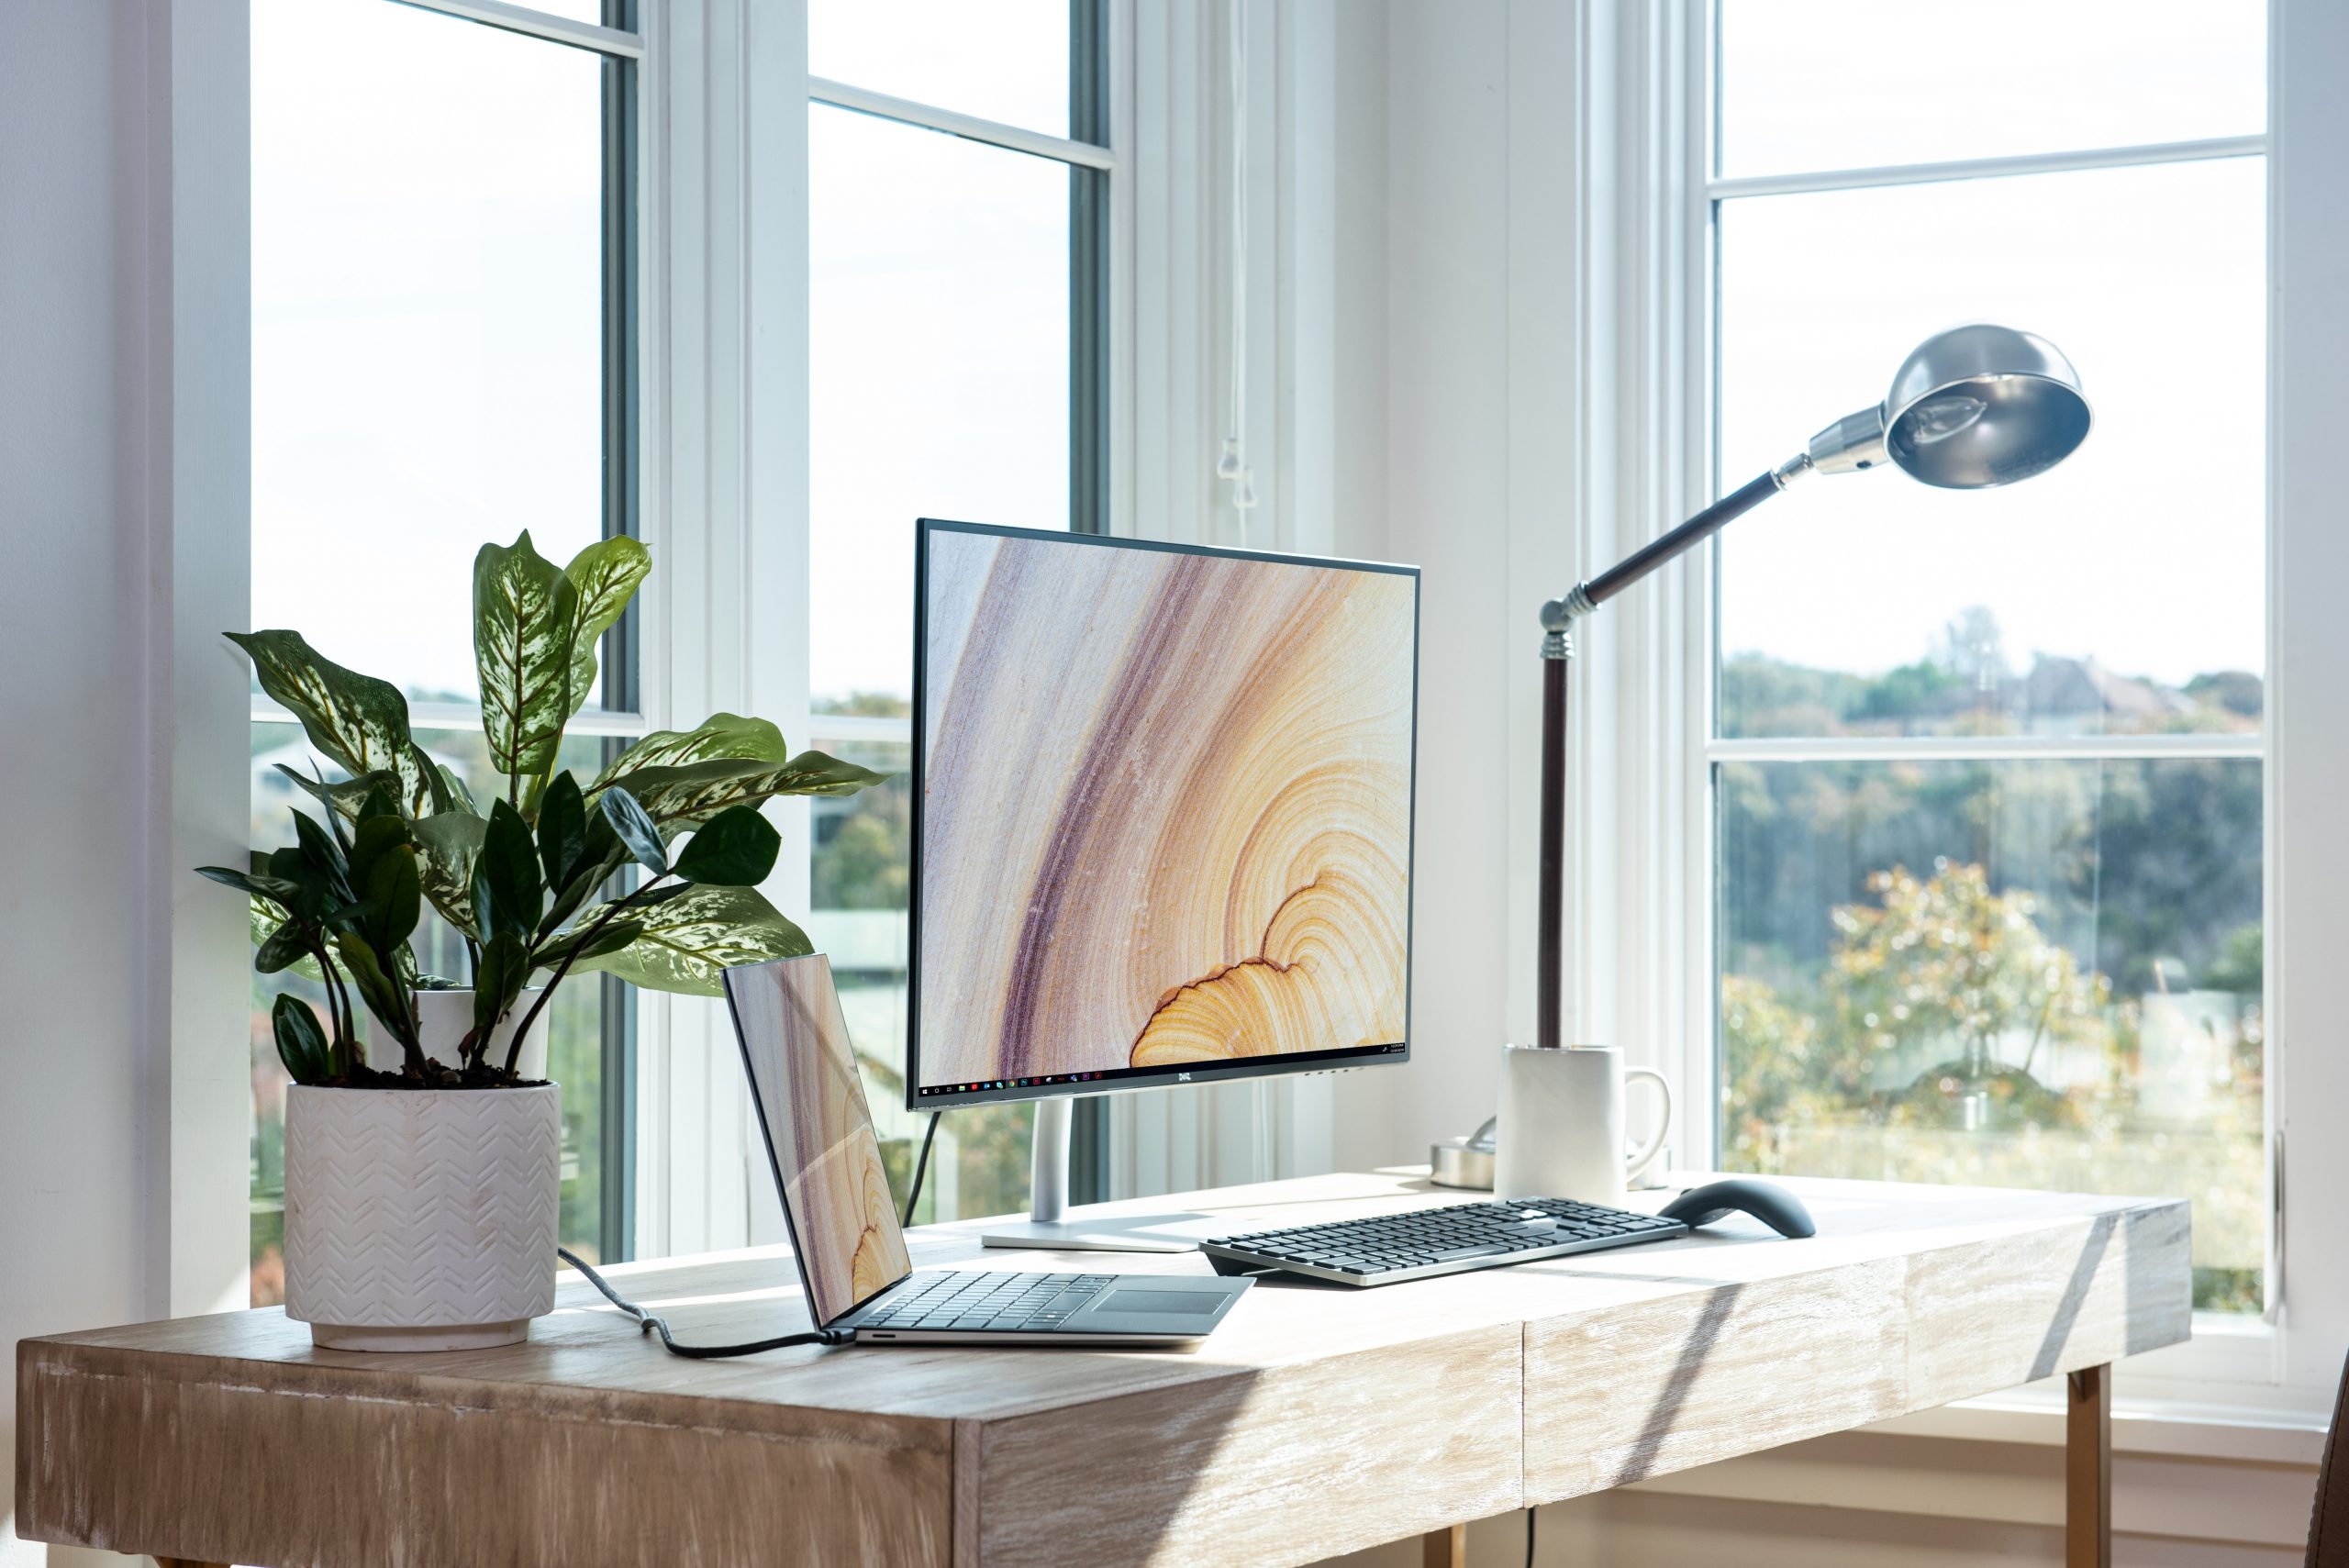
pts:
pixel 123 1098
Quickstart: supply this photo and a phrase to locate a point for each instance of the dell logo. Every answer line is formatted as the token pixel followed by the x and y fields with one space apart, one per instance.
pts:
pixel 1182 1077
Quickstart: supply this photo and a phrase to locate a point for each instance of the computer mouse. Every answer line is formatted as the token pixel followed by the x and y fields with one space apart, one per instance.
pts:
pixel 1773 1205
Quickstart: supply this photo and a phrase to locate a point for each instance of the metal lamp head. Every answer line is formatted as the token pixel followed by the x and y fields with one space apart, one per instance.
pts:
pixel 1974 407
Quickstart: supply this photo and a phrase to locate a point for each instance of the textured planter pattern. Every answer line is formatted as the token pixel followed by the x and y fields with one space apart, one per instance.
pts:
pixel 421 1220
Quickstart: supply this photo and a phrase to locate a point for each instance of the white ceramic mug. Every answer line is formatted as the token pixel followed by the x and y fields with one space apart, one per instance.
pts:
pixel 1561 1133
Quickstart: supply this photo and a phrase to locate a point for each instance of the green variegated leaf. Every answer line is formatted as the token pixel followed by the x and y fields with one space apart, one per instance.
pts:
pixel 690 795
pixel 525 611
pixel 447 847
pixel 605 575
pixel 689 939
pixel 718 735
pixel 357 722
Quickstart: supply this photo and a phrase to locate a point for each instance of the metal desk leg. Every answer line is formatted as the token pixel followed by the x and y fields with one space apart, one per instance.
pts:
pixel 2087 1469
pixel 1444 1548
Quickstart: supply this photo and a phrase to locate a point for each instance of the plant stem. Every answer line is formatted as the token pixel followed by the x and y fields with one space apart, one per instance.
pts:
pixel 521 1032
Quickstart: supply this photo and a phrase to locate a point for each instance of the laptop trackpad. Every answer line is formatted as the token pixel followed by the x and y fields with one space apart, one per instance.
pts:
pixel 1184 1303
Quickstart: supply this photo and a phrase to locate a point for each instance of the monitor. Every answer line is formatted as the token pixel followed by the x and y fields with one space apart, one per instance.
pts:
pixel 1162 819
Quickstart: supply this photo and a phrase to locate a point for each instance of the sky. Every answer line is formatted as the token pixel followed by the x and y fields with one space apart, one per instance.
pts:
pixel 428 360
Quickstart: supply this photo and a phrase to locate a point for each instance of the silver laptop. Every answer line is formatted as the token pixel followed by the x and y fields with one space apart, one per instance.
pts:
pixel 861 1281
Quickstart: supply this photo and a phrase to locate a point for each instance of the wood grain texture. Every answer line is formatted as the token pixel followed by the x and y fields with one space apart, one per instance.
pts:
pixel 1316 1420
pixel 1187 779
pixel 1938 1295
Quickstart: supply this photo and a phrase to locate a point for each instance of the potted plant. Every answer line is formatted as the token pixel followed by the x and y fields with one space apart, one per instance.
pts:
pixel 422 1166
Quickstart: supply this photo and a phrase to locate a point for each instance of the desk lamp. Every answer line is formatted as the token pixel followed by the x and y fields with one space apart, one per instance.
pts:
pixel 1974 407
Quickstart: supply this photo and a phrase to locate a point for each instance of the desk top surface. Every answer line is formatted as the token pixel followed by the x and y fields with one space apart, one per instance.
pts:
pixel 1397 1408
pixel 729 1297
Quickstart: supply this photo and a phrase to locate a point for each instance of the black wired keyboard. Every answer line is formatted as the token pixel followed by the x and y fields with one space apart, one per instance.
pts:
pixel 1388 1248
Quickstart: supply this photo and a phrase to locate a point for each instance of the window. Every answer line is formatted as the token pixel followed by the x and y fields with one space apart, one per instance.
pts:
pixel 441 357
pixel 1988 768
pixel 955 372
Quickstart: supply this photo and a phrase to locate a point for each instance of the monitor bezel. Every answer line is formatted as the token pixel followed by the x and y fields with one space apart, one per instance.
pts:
pixel 1338 1059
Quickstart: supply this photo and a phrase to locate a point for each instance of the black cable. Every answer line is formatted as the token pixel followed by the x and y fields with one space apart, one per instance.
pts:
pixel 1528 1538
pixel 921 1165
pixel 647 1322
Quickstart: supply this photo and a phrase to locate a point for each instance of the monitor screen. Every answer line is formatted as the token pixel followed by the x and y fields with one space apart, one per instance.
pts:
pixel 1162 813
pixel 820 1132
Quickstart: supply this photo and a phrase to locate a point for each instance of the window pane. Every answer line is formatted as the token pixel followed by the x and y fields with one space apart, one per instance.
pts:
pixel 575 1035
pixel 858 897
pixel 2124 590
pixel 2042 975
pixel 428 322
pixel 1006 61
pixel 1987 79
pixel 940 329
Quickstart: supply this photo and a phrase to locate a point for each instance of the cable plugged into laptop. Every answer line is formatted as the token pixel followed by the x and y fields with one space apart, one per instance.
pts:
pixel 648 1322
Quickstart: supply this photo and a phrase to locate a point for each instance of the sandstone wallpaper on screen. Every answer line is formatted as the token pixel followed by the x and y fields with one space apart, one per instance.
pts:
pixel 1166 812
pixel 804 1070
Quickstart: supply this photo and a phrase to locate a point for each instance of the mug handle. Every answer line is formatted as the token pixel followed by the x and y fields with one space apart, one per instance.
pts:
pixel 1639 1162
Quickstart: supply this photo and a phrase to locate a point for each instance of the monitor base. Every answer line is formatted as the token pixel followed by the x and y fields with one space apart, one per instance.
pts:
pixel 1110 1234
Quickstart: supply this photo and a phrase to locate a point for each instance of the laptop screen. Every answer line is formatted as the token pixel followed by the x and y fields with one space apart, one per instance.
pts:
pixel 827 1160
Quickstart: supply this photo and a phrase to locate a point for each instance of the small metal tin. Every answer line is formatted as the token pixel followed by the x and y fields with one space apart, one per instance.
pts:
pixel 1465 1161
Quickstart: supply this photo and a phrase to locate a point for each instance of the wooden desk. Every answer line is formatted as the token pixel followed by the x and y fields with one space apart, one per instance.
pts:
pixel 1317 1420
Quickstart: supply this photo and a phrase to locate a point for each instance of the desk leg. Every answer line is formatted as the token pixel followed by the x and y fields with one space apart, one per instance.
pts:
pixel 1444 1548
pixel 2087 1469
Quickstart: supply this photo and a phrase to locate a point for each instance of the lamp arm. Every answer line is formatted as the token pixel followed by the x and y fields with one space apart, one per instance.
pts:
pixel 1558 618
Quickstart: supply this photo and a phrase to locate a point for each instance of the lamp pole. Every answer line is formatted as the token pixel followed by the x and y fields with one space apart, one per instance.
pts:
pixel 1558 618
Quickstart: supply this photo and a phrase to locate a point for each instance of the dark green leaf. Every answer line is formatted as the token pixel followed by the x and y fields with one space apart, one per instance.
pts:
pixel 689 940
pixel 378 804
pixel 375 836
pixel 286 944
pixel 735 849
pixel 395 899
pixel 505 969
pixel 448 846
pixel 461 798
pixel 611 938
pixel 597 867
pixel 691 794
pixel 525 613
pixel 357 722
pixel 369 978
pixel 508 893
pixel 301 1043
pixel 721 736
pixel 323 856
pixel 604 575
pixel 261 885
pixel 562 830
pixel 438 795
pixel 636 830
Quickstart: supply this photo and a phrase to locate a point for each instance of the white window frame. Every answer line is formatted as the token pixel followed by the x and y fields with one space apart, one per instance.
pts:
pixel 1641 969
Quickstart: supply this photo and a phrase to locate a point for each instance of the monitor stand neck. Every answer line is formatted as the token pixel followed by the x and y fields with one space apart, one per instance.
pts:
pixel 1053 1226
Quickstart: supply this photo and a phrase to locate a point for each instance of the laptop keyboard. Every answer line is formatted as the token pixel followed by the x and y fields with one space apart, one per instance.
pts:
pixel 985 1300
pixel 1423 1242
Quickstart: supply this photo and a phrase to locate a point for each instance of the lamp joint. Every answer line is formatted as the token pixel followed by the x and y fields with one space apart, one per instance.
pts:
pixel 1558 618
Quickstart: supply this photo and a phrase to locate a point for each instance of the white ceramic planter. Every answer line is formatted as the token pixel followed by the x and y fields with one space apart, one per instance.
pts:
pixel 445 1017
pixel 421 1220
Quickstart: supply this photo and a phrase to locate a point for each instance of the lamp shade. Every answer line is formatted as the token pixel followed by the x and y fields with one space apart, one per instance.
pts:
pixel 1971 407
